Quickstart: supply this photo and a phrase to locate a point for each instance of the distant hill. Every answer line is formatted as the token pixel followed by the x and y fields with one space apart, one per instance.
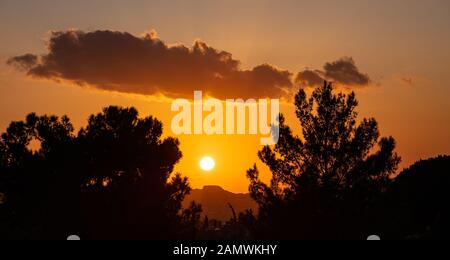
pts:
pixel 215 200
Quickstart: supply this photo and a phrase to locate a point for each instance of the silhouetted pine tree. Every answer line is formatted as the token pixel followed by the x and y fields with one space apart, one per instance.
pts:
pixel 324 181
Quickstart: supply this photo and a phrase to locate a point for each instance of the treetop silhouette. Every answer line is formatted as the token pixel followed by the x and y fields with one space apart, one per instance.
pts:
pixel 328 176
pixel 112 180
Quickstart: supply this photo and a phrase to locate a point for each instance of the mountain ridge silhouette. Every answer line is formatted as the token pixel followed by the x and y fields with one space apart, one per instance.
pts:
pixel 215 202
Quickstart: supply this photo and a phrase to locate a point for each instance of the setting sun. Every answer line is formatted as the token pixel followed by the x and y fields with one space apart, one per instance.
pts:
pixel 207 163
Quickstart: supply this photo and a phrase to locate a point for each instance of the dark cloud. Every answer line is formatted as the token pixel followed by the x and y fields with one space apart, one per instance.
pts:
pixel 119 61
pixel 343 72
pixel 24 62
pixel 146 65
pixel 309 78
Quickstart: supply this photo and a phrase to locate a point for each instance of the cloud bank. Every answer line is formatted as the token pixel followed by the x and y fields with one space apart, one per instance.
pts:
pixel 119 61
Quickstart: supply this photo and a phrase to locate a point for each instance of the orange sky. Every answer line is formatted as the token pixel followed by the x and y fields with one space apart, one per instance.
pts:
pixel 403 50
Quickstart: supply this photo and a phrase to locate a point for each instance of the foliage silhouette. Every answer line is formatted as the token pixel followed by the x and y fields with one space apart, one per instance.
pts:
pixel 239 227
pixel 323 182
pixel 111 181
pixel 41 194
pixel 418 202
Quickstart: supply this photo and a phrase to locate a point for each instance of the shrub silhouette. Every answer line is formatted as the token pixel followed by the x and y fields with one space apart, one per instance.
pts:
pixel 111 181
pixel 324 181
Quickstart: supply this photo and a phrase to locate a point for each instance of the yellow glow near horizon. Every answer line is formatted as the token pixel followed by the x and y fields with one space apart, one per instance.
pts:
pixel 207 164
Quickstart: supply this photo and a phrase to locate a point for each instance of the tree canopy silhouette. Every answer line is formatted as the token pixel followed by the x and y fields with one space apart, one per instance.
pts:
pixel 40 193
pixel 323 181
pixel 418 202
pixel 127 167
pixel 111 181
pixel 114 180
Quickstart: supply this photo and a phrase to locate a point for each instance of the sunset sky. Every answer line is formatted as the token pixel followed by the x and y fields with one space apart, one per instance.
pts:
pixel 393 53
